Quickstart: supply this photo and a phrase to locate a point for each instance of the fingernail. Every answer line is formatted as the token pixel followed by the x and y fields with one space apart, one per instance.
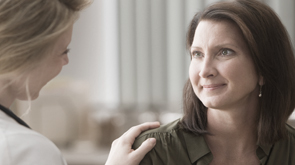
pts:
pixel 153 141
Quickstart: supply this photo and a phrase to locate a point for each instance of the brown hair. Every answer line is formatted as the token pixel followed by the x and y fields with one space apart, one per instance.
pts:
pixel 271 51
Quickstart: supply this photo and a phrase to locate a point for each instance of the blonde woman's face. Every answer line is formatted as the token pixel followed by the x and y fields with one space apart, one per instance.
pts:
pixel 49 68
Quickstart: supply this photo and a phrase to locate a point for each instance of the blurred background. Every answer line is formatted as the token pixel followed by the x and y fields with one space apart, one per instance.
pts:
pixel 128 64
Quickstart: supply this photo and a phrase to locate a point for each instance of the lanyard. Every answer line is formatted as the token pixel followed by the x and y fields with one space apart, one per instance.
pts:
pixel 12 115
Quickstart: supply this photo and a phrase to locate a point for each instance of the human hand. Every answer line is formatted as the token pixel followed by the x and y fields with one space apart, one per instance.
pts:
pixel 121 151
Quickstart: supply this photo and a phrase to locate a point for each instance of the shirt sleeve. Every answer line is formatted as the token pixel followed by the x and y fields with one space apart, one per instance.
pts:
pixel 156 155
pixel 29 149
pixel 169 149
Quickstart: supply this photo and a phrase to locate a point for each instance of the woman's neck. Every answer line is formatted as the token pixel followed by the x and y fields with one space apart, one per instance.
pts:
pixel 232 131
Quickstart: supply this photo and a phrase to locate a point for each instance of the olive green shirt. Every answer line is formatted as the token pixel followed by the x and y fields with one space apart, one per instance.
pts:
pixel 175 146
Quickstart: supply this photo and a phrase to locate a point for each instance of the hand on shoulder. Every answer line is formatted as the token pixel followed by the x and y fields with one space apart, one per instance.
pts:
pixel 121 151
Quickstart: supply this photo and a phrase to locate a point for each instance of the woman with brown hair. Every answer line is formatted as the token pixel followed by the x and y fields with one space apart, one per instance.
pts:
pixel 240 92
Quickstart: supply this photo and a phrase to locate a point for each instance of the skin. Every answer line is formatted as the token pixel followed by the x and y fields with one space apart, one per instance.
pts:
pixel 37 78
pixel 118 154
pixel 49 68
pixel 224 78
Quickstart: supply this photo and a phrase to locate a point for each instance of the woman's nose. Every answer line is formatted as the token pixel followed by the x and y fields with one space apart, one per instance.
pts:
pixel 65 60
pixel 208 68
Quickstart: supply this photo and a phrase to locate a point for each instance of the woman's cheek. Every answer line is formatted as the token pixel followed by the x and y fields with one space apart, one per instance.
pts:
pixel 193 73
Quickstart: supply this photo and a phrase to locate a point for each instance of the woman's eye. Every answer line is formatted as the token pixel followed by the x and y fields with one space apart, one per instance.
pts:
pixel 196 54
pixel 67 51
pixel 226 52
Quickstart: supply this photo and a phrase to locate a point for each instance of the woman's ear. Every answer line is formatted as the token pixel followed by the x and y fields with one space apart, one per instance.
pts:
pixel 261 81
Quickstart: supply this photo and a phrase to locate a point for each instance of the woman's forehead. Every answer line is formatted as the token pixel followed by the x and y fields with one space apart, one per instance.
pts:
pixel 217 32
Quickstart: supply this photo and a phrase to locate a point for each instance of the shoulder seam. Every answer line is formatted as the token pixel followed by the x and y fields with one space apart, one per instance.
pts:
pixel 160 132
pixel 175 129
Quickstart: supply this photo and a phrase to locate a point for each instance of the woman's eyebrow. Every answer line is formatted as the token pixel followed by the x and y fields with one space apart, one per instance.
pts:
pixel 217 46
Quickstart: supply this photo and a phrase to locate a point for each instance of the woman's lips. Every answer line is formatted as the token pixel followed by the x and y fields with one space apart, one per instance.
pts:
pixel 213 86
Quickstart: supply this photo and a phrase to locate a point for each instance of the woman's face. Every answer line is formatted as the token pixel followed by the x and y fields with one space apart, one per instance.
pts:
pixel 49 68
pixel 222 72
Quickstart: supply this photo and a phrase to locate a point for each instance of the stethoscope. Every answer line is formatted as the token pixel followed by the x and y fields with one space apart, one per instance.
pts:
pixel 12 115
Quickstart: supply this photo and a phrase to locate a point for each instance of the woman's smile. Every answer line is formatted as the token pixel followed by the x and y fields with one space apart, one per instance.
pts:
pixel 211 87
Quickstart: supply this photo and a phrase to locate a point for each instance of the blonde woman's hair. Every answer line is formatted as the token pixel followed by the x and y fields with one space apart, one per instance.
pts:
pixel 29 29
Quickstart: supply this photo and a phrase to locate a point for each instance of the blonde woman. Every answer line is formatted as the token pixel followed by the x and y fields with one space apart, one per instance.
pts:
pixel 34 36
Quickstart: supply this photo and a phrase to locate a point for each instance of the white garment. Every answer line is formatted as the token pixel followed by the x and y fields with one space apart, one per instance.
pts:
pixel 22 146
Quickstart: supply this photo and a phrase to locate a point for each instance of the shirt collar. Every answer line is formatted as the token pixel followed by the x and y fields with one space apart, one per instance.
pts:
pixel 197 147
pixel 266 148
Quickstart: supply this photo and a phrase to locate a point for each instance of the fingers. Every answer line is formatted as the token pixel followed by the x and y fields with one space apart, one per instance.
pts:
pixel 133 132
pixel 121 150
pixel 145 147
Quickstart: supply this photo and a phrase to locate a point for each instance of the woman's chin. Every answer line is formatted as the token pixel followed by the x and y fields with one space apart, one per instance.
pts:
pixel 211 103
pixel 215 105
pixel 35 97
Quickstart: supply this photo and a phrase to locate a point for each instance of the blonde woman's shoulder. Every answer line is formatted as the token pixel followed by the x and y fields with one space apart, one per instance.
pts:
pixel 22 146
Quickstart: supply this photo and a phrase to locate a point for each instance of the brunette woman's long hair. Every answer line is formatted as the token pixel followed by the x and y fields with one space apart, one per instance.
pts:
pixel 272 54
